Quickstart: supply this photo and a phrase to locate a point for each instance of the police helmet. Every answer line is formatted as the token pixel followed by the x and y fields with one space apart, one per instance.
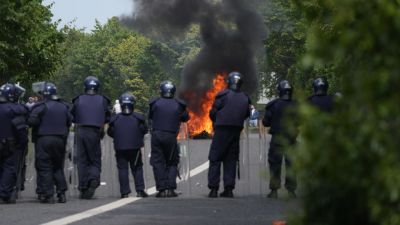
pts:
pixel 235 81
pixel 167 89
pixel 127 102
pixel 50 91
pixel 320 86
pixel 8 93
pixel 285 90
pixel 92 85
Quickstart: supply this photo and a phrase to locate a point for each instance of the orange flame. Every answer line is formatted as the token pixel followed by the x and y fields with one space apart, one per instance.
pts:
pixel 200 121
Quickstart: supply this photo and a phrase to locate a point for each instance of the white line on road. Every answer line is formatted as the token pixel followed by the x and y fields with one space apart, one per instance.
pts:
pixel 113 205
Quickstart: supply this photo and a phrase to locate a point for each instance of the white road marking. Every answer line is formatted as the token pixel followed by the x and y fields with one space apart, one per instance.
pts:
pixel 113 205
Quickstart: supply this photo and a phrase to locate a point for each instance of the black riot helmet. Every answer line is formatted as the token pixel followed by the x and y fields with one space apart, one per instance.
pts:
pixel 235 81
pixel 127 102
pixel 285 90
pixel 167 89
pixel 8 93
pixel 92 85
pixel 320 86
pixel 50 91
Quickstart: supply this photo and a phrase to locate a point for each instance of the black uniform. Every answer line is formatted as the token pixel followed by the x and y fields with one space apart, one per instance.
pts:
pixel 90 113
pixel 13 135
pixel 166 115
pixel 228 113
pixel 51 120
pixel 276 114
pixel 128 131
pixel 323 102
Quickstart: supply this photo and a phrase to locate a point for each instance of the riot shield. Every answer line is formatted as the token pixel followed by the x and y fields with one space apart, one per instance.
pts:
pixel 243 166
pixel 263 143
pixel 71 170
pixel 147 169
pixel 184 160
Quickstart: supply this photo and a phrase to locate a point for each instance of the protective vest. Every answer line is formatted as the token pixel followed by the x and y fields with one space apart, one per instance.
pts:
pixel 166 114
pixel 55 119
pixel 234 111
pixel 89 110
pixel 6 126
pixel 276 113
pixel 128 133
pixel 322 102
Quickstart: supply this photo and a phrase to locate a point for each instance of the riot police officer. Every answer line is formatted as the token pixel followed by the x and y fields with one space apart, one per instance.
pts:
pixel 166 113
pixel 91 111
pixel 128 129
pixel 320 97
pixel 277 116
pixel 13 135
pixel 51 120
pixel 229 111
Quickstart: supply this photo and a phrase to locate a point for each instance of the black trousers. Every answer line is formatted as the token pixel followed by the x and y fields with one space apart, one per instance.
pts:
pixel 88 155
pixel 9 158
pixel 224 150
pixel 276 155
pixel 164 159
pixel 49 163
pixel 129 158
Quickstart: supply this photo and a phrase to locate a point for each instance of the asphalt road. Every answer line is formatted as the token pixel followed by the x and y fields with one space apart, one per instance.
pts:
pixel 191 207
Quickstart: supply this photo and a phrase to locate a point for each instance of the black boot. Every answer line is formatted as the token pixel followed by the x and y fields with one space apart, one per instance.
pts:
pixel 213 193
pixel 171 193
pixel 141 194
pixel 273 194
pixel 89 193
pixel 61 198
pixel 227 193
pixel 124 195
pixel 161 194
pixel 49 199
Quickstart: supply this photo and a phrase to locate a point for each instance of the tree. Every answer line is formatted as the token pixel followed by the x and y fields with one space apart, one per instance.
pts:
pixel 29 41
pixel 350 160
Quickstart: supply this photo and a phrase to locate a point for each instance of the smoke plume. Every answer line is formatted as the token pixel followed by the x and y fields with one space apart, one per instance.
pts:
pixel 231 30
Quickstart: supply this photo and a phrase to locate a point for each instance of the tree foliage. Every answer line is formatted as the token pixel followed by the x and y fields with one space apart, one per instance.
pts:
pixel 122 59
pixel 29 41
pixel 349 161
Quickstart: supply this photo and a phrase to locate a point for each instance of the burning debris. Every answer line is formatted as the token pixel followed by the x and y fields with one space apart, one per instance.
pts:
pixel 232 32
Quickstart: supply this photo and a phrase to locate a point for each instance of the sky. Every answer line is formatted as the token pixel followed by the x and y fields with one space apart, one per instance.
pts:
pixel 83 13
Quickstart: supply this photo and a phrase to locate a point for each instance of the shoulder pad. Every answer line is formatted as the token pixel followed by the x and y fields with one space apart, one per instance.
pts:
pixel 271 103
pixel 180 101
pixel 74 99
pixel 153 100
pixel 107 99
pixel 19 109
pixel 222 93
pixel 138 116
pixel 113 118
pixel 247 97
pixel 37 105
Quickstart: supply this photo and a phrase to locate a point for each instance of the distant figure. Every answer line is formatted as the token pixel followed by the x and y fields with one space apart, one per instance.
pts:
pixel 320 98
pixel 30 103
pixel 254 114
pixel 51 120
pixel 91 111
pixel 229 111
pixel 166 114
pixel 283 134
pixel 117 107
pixel 128 129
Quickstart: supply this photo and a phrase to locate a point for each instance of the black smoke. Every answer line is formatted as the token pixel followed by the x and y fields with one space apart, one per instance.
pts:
pixel 231 30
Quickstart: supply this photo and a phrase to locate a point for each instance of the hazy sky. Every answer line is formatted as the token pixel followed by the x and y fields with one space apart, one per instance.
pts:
pixel 85 12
